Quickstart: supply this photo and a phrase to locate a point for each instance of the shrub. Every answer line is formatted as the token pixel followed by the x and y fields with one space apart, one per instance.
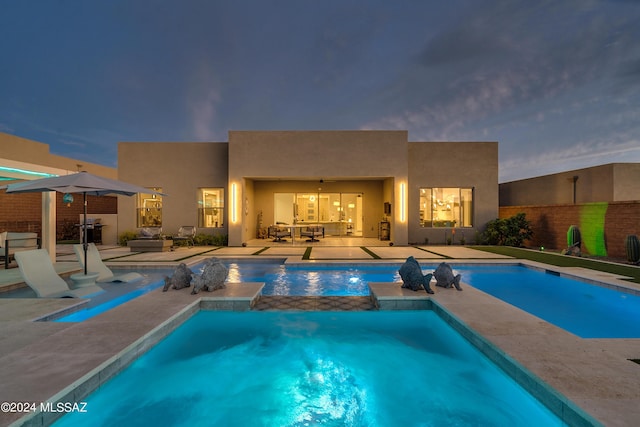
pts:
pixel 211 240
pixel 479 238
pixel 126 236
pixel 68 231
pixel 511 231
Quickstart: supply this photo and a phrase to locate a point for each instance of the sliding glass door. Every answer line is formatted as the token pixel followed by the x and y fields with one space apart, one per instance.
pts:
pixel 341 214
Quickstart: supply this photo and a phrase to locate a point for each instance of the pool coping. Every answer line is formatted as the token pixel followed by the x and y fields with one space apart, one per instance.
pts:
pixel 590 372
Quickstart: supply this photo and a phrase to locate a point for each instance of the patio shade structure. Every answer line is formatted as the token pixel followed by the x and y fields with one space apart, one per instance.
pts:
pixel 81 182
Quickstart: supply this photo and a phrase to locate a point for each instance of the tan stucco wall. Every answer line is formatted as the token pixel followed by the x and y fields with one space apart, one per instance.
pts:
pixel 453 164
pixel 33 155
pixel 180 169
pixel 311 156
pixel 626 178
pixel 606 183
pixel 324 154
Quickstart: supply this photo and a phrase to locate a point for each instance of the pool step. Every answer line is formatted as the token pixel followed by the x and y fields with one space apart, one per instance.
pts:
pixel 306 303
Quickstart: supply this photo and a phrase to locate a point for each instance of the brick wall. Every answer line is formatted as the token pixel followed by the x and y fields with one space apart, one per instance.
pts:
pixel 22 212
pixel 603 226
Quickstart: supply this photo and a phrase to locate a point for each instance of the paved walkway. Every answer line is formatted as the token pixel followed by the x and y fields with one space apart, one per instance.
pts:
pixel 40 360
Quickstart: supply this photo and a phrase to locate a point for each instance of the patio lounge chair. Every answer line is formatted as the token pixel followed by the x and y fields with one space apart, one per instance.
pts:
pixel 38 272
pixel 186 233
pixel 95 265
pixel 312 232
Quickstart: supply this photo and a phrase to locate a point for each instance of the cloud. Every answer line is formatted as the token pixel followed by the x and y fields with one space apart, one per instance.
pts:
pixel 70 143
pixel 620 148
pixel 6 128
pixel 631 69
pixel 202 101
pixel 536 76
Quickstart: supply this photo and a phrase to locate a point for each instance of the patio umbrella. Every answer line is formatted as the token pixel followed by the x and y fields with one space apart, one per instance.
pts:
pixel 81 182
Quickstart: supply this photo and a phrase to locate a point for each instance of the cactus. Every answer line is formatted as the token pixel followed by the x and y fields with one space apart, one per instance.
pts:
pixel 632 244
pixel 573 237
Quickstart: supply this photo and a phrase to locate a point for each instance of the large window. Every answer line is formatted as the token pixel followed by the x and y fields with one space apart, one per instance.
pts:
pixel 211 207
pixel 446 207
pixel 149 209
pixel 339 213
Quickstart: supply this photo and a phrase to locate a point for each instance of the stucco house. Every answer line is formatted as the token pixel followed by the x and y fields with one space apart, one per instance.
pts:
pixel 373 184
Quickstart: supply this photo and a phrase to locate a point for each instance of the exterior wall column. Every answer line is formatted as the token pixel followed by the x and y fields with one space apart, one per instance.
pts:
pixel 49 223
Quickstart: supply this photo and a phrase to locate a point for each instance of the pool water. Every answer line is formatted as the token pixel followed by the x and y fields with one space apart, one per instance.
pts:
pixel 117 293
pixel 309 369
pixel 586 310
pixel 104 302
pixel 583 309
pixel 313 280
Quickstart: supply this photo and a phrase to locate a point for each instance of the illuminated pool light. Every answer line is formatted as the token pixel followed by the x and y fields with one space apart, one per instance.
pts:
pixel 327 392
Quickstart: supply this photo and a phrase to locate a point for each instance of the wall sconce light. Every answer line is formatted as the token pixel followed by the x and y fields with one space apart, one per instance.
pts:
pixel 234 200
pixel 403 202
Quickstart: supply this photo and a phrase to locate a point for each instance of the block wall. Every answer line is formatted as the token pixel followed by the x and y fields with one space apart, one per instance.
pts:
pixel 23 212
pixel 603 226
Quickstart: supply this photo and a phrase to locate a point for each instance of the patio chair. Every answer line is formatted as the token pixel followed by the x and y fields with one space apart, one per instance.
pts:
pixel 38 272
pixel 95 265
pixel 279 232
pixel 312 232
pixel 186 233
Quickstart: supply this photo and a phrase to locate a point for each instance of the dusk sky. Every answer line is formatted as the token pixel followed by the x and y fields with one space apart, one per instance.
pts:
pixel 556 83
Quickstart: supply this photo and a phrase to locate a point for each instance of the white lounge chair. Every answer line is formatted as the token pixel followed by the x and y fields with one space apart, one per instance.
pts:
pixel 95 265
pixel 38 272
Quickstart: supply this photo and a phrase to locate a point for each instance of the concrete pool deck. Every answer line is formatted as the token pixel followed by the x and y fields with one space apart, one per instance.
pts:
pixel 39 360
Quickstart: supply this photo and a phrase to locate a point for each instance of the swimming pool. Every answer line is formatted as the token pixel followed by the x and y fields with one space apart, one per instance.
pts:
pixel 584 309
pixel 298 369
